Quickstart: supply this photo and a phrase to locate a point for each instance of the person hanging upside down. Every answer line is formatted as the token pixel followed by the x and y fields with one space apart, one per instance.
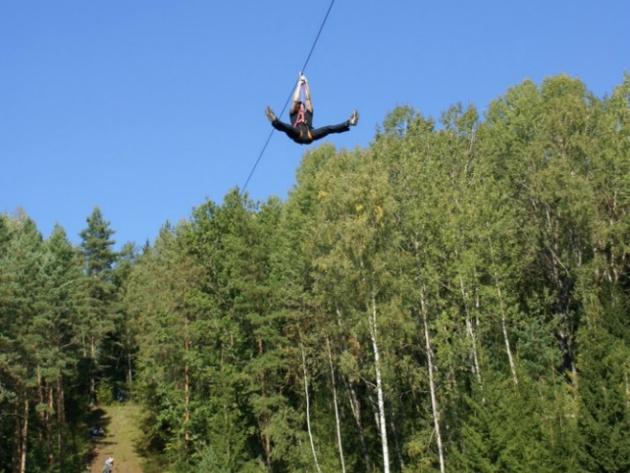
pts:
pixel 301 128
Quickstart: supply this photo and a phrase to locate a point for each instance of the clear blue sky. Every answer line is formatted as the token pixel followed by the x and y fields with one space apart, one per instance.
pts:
pixel 147 108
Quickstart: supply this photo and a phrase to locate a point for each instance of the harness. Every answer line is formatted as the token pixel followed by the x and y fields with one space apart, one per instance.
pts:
pixel 300 122
pixel 301 116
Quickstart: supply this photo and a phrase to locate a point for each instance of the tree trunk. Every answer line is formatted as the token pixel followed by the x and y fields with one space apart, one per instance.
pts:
pixel 266 438
pixel 355 407
pixel 40 413
pixel 186 410
pixel 335 402
pixel 49 428
pixel 17 437
pixel 267 446
pixel 24 437
pixel 186 390
pixel 308 412
pixel 93 399
pixel 503 323
pixel 471 333
pixel 505 336
pixel 379 386
pixel 434 406
pixel 129 365
pixel 397 445
pixel 61 421
pixel 473 342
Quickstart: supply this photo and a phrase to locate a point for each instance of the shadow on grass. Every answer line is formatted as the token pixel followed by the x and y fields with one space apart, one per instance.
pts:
pixel 97 420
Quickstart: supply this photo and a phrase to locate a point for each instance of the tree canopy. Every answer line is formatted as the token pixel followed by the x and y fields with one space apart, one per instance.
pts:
pixel 455 297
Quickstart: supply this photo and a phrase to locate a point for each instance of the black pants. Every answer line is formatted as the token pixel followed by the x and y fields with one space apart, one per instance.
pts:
pixel 304 135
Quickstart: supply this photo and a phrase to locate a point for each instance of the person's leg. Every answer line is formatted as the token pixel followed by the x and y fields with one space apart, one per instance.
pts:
pixel 279 125
pixel 290 131
pixel 319 133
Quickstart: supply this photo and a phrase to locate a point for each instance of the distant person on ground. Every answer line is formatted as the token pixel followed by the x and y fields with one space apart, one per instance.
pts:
pixel 98 433
pixel 301 128
pixel 109 465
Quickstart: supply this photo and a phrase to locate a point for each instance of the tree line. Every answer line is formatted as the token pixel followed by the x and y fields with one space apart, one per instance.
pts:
pixel 453 297
pixel 60 308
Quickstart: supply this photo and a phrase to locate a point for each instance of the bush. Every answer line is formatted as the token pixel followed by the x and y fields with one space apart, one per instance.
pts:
pixel 104 394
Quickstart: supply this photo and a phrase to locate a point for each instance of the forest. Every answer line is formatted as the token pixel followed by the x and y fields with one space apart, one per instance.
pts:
pixel 453 298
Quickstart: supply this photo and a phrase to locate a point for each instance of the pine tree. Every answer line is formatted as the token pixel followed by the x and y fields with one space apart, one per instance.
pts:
pixel 59 353
pixel 120 346
pixel 504 429
pixel 98 311
pixel 604 417
pixel 21 340
pixel 41 409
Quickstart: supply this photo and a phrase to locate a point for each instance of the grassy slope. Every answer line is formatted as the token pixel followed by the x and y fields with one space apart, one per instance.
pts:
pixel 119 421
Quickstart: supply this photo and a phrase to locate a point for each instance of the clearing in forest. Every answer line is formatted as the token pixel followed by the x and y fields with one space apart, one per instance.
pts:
pixel 119 441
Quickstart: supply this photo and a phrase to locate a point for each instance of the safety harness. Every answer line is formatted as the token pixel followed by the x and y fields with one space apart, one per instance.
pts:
pixel 301 118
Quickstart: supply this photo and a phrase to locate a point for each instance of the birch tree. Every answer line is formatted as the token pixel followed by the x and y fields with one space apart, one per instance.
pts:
pixel 353 239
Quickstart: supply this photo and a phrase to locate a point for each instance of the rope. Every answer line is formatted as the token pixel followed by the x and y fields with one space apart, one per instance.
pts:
pixel 288 99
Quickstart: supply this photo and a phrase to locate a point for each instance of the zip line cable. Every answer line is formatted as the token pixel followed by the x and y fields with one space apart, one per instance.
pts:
pixel 288 99
pixel 317 37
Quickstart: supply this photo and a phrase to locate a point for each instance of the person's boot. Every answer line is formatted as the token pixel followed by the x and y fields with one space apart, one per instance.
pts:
pixel 270 115
pixel 354 119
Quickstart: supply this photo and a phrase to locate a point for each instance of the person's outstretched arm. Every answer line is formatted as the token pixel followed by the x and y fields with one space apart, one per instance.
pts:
pixel 307 92
pixel 296 95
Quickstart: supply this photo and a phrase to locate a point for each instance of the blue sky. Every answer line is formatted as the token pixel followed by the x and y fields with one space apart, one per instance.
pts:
pixel 148 108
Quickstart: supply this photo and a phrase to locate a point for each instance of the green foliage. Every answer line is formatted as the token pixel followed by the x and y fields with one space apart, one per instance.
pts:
pixel 453 296
pixel 98 309
pixel 604 419
pixel 42 408
pixel 505 430
pixel 104 393
pixel 495 231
